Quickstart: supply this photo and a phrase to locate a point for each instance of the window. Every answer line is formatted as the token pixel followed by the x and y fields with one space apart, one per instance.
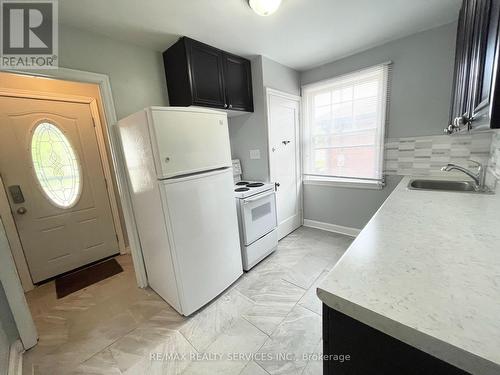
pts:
pixel 56 165
pixel 344 122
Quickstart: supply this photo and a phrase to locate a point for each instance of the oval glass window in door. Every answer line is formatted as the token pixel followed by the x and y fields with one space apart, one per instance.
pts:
pixel 56 165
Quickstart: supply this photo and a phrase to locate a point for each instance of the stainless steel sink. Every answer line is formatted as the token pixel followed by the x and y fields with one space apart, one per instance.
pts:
pixel 443 185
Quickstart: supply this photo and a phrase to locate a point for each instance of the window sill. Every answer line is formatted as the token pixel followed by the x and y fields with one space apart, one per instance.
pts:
pixel 343 183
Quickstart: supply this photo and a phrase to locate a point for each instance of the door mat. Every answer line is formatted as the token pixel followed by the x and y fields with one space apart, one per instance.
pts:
pixel 80 279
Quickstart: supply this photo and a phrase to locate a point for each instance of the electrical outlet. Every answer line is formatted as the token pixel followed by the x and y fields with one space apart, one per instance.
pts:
pixel 254 154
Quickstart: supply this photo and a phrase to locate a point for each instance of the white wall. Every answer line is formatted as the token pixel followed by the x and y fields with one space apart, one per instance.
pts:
pixel 136 74
pixel 420 99
pixel 8 329
pixel 249 131
pixel 4 351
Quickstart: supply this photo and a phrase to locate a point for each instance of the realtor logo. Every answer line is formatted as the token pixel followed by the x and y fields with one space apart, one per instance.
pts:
pixel 28 34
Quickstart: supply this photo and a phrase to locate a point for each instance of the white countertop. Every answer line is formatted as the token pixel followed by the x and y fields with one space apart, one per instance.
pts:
pixel 426 270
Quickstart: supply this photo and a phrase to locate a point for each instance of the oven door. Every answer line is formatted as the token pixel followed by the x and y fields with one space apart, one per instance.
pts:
pixel 258 214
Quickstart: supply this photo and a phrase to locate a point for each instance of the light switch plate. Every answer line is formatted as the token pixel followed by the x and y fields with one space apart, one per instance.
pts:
pixel 254 154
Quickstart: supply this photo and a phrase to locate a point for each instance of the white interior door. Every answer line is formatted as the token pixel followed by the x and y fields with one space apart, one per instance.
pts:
pixel 51 167
pixel 284 160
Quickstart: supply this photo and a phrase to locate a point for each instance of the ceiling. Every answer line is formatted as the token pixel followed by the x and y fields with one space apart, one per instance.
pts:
pixel 301 34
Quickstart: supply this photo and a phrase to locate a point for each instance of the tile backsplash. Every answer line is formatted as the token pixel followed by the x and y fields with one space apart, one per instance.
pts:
pixel 494 164
pixel 424 156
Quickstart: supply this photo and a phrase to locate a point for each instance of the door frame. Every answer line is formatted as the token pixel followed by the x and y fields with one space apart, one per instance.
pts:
pixel 107 125
pixel 14 291
pixel 298 137
pixel 17 251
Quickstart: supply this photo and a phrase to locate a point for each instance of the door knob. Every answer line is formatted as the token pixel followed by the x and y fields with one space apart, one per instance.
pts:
pixel 276 185
pixel 285 142
pixel 21 210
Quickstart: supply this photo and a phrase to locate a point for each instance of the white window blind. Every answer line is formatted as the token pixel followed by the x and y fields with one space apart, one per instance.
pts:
pixel 344 124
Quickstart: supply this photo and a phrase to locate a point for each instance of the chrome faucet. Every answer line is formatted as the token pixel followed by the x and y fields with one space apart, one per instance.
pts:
pixel 479 177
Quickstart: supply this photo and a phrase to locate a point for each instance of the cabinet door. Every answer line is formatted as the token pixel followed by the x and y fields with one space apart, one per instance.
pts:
pixel 483 57
pixel 460 105
pixel 206 74
pixel 238 82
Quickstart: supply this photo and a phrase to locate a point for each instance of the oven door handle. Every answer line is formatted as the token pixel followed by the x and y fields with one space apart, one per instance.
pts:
pixel 257 197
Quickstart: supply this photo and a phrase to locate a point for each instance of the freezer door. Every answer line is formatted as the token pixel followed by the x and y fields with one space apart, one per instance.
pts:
pixel 189 141
pixel 201 217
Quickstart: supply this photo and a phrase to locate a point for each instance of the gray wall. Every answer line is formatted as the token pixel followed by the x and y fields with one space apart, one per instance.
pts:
pixel 249 131
pixel 280 77
pixel 422 79
pixel 421 93
pixel 136 74
pixel 348 207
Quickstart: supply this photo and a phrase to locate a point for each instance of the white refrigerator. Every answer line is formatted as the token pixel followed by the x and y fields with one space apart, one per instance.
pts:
pixel 179 168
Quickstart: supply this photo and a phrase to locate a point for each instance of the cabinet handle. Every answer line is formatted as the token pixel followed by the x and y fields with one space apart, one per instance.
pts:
pixel 458 123
pixel 462 121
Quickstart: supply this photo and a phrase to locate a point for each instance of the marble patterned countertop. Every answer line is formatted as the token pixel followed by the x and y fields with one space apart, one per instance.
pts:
pixel 426 270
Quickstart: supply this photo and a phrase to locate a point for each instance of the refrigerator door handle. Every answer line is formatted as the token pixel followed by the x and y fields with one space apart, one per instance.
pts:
pixel 201 174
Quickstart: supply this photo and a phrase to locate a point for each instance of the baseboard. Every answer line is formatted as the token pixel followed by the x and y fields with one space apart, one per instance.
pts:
pixel 348 231
pixel 16 358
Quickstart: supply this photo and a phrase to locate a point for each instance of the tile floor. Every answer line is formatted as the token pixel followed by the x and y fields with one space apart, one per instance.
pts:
pixel 261 325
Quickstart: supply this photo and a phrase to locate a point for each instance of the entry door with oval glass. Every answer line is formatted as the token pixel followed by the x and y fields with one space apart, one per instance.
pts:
pixel 51 167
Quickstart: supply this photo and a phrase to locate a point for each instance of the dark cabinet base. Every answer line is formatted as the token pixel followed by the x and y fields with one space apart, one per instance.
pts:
pixel 372 352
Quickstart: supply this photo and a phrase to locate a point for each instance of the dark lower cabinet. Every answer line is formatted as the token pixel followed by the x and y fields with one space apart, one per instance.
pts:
pixel 372 352
pixel 201 75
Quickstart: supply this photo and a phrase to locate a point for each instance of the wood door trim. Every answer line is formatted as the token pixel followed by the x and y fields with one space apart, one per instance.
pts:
pixel 298 137
pixel 28 94
pixel 12 233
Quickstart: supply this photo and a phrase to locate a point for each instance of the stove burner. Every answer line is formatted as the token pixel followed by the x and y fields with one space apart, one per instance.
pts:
pixel 239 190
pixel 242 183
pixel 255 184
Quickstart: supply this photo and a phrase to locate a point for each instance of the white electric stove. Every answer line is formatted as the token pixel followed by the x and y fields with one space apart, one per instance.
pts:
pixel 256 207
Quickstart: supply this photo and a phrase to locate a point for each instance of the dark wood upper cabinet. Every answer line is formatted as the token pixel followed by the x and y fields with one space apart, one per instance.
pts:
pixel 201 75
pixel 459 105
pixel 238 80
pixel 474 103
pixel 483 59
pixel 206 71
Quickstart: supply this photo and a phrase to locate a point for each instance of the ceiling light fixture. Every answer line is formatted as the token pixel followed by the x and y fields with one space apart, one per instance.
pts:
pixel 264 7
